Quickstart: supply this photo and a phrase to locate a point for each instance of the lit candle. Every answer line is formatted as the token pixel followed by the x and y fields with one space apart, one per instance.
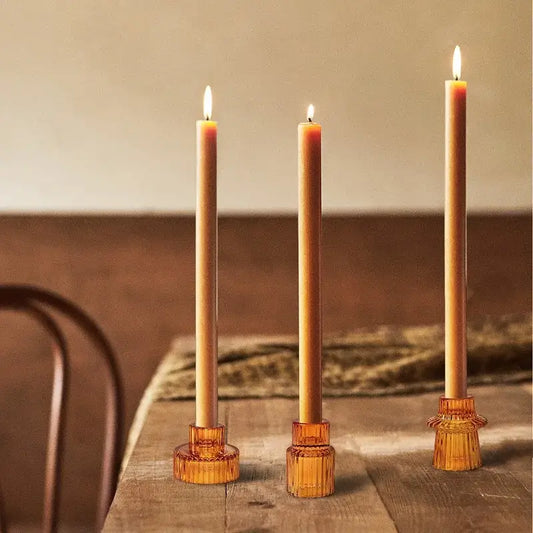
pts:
pixel 455 233
pixel 206 268
pixel 309 237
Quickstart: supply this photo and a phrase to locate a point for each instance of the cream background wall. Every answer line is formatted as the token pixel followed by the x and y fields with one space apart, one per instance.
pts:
pixel 98 101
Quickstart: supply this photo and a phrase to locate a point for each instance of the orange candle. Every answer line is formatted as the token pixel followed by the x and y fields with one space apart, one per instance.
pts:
pixel 206 268
pixel 455 233
pixel 309 294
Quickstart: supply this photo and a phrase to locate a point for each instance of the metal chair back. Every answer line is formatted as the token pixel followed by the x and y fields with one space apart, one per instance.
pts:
pixel 38 303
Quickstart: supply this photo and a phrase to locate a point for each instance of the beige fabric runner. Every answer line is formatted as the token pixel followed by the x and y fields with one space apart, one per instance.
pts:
pixel 368 362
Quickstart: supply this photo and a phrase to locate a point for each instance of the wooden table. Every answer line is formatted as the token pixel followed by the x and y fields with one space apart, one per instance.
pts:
pixel 384 478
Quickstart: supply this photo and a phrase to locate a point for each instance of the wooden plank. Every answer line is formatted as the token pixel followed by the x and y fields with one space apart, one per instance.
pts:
pixel 502 404
pixel 420 498
pixel 260 502
pixel 384 476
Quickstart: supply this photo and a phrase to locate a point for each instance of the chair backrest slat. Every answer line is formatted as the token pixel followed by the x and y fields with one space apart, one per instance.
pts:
pixel 34 300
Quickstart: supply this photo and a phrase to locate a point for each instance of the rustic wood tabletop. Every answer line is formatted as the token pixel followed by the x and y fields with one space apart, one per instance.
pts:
pixel 384 478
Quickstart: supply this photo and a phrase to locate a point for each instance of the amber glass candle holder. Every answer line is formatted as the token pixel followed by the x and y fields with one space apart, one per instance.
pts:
pixel 206 458
pixel 456 440
pixel 310 461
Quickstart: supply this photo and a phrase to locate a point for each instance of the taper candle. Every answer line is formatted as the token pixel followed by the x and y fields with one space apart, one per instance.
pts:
pixel 455 233
pixel 206 459
pixel 457 422
pixel 309 293
pixel 206 268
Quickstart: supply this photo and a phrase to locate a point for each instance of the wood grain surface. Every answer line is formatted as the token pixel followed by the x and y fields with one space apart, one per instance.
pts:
pixel 384 478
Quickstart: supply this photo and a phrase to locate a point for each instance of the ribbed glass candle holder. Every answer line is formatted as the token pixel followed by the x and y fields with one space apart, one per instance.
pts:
pixel 310 461
pixel 206 458
pixel 456 439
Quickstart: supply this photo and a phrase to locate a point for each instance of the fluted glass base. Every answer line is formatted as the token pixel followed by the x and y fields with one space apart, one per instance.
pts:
pixel 456 440
pixel 206 458
pixel 310 461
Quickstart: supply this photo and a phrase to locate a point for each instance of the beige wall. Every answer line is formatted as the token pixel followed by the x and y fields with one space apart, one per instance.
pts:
pixel 98 101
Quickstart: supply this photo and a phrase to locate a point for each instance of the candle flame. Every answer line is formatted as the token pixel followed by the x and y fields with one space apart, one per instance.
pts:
pixel 208 103
pixel 457 63
pixel 310 112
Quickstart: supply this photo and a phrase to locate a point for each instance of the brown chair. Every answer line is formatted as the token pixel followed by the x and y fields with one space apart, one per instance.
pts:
pixel 37 303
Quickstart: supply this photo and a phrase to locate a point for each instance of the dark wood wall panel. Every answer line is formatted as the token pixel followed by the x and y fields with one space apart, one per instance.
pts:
pixel 135 275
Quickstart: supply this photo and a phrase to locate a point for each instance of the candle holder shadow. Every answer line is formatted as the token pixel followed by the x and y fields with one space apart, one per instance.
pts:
pixel 456 439
pixel 310 461
pixel 206 459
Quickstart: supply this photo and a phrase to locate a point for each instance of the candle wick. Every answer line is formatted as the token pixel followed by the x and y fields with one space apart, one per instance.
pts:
pixel 309 119
pixel 456 78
